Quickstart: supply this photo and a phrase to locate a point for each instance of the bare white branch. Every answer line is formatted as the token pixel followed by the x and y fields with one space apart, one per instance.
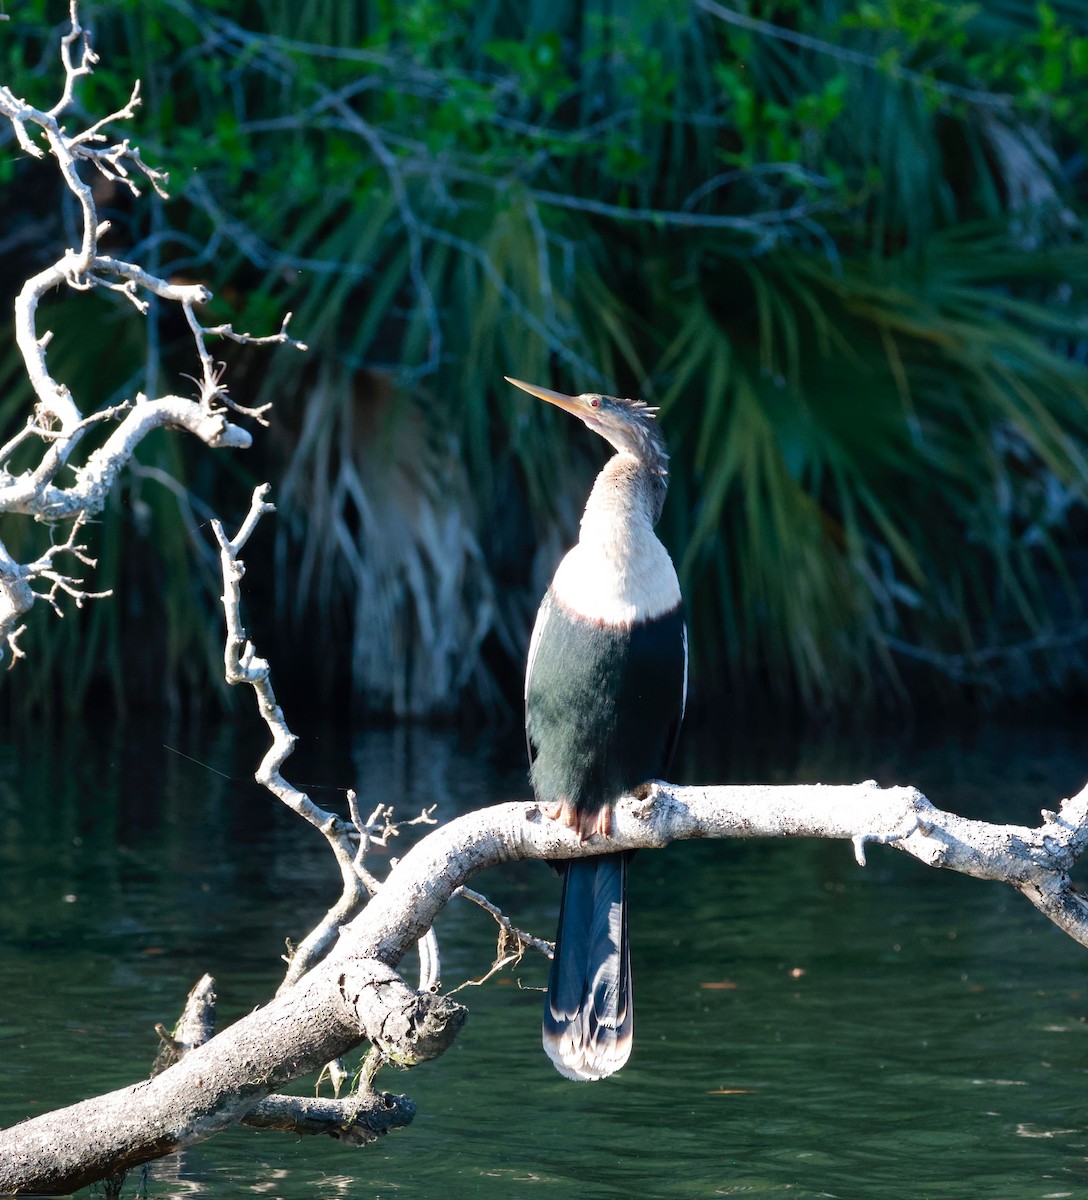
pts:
pixel 58 421
pixel 355 1120
pixel 348 840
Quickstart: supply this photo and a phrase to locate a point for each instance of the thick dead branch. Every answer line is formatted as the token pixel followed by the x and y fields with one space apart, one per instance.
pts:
pixel 1035 861
pixel 356 1121
pixel 215 1085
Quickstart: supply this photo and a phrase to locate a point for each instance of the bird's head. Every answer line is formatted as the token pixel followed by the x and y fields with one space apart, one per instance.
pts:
pixel 629 425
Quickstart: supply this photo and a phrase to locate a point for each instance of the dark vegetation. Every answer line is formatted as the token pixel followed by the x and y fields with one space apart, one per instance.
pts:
pixel 842 246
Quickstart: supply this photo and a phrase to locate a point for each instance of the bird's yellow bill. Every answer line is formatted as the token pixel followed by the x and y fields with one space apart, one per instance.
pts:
pixel 570 403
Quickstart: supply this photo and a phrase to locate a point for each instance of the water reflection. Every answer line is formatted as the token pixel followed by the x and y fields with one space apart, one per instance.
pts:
pixel 804 1027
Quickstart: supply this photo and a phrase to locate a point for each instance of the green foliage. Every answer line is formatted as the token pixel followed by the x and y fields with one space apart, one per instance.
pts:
pixel 842 246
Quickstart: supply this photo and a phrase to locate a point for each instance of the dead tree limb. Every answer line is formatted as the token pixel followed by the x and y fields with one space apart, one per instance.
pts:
pixel 216 1085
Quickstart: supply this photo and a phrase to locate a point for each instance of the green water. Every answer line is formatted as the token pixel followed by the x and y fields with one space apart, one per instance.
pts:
pixel 804 1028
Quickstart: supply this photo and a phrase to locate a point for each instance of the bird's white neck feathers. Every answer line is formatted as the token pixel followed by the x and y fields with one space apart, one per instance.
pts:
pixel 619 573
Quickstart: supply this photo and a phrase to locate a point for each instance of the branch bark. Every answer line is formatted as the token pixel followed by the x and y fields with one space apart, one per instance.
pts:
pixel 356 1121
pixel 1035 861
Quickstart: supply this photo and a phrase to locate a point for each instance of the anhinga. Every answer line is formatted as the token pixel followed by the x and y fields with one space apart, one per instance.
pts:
pixel 604 697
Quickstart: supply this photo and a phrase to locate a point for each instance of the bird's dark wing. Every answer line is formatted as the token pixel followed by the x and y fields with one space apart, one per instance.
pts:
pixel 542 617
pixel 674 730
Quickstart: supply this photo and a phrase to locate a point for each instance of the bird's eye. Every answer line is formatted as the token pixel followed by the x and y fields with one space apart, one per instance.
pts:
pixel 595 402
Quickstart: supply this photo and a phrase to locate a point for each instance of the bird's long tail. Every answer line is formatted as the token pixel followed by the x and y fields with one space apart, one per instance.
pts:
pixel 588 1018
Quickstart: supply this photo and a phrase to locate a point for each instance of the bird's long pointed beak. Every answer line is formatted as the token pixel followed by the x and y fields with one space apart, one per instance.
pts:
pixel 560 399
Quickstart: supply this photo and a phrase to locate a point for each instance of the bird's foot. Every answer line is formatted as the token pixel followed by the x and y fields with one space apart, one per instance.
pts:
pixel 562 811
pixel 591 823
pixel 584 823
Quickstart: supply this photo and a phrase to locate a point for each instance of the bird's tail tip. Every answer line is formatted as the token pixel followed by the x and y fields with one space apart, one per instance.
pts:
pixel 574 1059
pixel 588 1026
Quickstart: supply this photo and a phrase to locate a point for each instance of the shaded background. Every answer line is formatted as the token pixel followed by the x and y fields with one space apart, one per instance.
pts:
pixel 841 245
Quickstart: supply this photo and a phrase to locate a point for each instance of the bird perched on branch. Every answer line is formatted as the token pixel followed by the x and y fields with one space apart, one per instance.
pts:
pixel 604 697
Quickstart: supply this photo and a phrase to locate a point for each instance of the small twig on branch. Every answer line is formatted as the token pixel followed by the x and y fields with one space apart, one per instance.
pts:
pixel 212 388
pixel 528 940
pixel 512 944
pixel 241 665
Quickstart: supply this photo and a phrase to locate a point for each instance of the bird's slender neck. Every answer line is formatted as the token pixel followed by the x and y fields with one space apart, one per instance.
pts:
pixel 625 503
pixel 619 575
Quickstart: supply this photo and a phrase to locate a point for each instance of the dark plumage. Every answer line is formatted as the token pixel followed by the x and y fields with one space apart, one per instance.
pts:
pixel 604 698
